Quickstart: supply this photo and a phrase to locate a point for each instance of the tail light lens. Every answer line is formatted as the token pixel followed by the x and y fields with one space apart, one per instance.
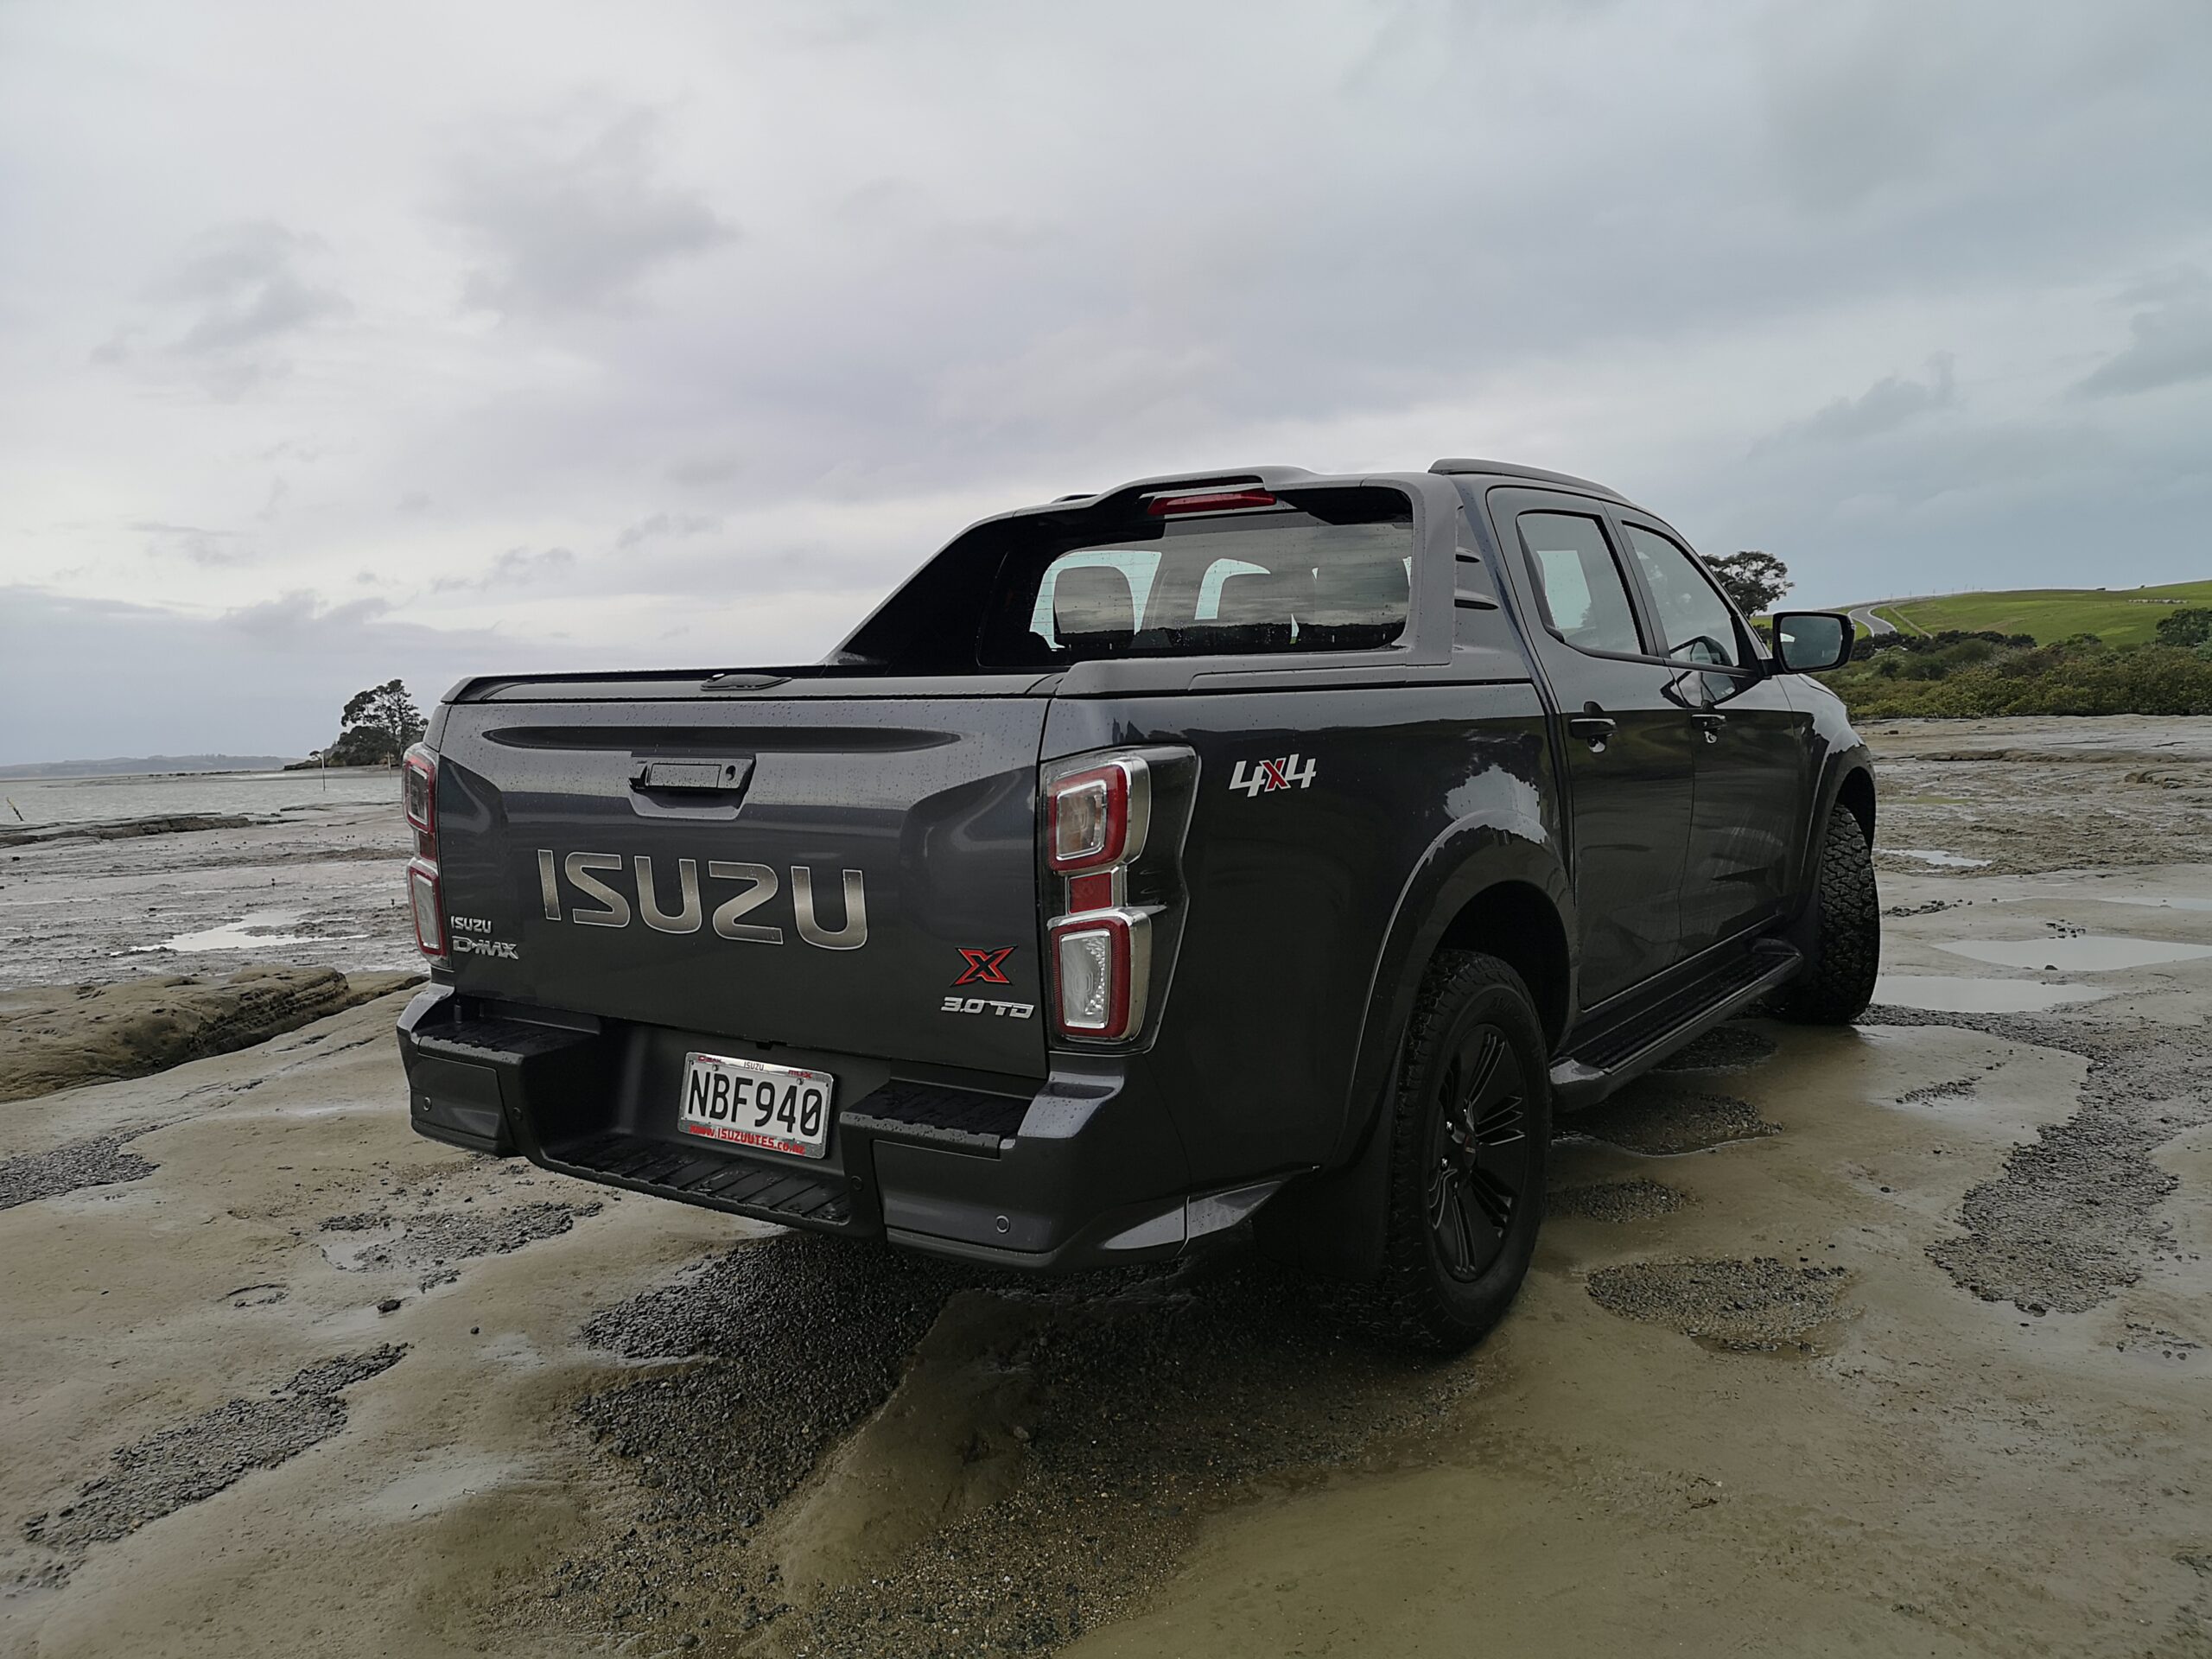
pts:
pixel 430 908
pixel 1096 822
pixel 1101 966
pixel 1097 819
pixel 418 771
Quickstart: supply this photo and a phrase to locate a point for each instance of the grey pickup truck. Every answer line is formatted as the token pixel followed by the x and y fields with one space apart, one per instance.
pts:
pixel 1259 854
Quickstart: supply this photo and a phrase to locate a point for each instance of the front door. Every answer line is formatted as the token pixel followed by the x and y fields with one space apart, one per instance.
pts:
pixel 1753 754
pixel 1623 730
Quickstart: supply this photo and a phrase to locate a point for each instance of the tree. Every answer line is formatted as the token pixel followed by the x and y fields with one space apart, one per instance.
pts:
pixel 377 726
pixel 2185 627
pixel 1753 579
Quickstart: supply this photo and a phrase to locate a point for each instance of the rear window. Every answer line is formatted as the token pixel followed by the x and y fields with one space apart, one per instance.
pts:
pixel 1283 578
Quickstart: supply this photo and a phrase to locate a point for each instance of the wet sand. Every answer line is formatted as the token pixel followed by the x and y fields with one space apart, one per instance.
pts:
pixel 1886 1341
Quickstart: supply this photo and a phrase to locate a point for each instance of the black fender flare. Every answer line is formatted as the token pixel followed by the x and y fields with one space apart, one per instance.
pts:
pixel 1333 1222
pixel 1838 767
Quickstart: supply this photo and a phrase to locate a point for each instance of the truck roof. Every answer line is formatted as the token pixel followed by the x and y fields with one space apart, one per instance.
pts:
pixel 1265 477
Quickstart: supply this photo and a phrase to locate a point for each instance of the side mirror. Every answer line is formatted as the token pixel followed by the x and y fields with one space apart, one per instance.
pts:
pixel 1813 642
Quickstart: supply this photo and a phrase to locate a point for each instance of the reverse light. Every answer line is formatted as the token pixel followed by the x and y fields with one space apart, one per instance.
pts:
pixel 429 909
pixel 1166 507
pixel 1102 963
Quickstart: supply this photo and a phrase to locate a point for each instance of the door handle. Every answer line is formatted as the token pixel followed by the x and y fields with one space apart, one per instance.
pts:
pixel 1710 724
pixel 1594 730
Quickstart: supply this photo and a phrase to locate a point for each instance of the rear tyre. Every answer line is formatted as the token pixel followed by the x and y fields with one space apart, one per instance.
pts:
pixel 1838 981
pixel 1471 1127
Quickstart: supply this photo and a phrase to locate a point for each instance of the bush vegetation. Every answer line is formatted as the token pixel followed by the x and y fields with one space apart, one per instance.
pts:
pixel 1965 674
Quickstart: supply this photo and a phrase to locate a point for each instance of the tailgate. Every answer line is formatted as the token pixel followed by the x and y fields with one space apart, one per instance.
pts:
pixel 852 875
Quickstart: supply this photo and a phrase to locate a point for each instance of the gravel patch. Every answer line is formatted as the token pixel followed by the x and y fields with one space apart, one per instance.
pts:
pixel 1725 1048
pixel 198 1458
pixel 1662 1123
pixel 101 1162
pixel 1759 1306
pixel 2071 1218
pixel 437 1239
pixel 1631 1200
pixel 1038 1457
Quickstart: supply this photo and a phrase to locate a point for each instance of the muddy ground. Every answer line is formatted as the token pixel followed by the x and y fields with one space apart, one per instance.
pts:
pixel 1883 1341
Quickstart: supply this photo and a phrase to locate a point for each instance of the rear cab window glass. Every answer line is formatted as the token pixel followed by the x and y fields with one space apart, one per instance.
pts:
pixel 1584 593
pixel 1697 622
pixel 1331 570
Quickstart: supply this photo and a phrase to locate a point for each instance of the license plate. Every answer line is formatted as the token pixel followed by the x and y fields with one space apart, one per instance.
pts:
pixel 752 1104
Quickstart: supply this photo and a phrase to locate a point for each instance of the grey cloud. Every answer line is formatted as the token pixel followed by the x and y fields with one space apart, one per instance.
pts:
pixel 238 293
pixel 301 616
pixel 575 227
pixel 2172 341
pixel 209 549
pixel 517 567
pixel 1882 407
pixel 665 524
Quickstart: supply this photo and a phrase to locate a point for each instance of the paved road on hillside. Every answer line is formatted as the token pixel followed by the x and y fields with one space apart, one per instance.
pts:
pixel 1864 616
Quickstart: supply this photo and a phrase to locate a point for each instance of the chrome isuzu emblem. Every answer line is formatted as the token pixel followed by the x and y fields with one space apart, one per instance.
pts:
pixel 611 906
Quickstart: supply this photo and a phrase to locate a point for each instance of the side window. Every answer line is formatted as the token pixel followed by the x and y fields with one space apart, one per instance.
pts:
pixel 1582 588
pixel 1120 607
pixel 1218 575
pixel 1698 626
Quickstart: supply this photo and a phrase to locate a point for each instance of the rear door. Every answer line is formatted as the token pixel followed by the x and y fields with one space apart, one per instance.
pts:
pixel 850 874
pixel 1753 769
pixel 1623 730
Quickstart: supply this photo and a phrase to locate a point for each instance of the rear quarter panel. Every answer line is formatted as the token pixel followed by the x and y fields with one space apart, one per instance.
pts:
pixel 1294 890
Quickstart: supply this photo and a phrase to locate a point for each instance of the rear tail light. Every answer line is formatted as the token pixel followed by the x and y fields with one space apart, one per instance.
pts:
pixel 418 771
pixel 1097 820
pixel 1102 963
pixel 430 908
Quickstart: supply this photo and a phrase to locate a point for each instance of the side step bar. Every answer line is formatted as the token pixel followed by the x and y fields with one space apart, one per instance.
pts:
pixel 1628 1050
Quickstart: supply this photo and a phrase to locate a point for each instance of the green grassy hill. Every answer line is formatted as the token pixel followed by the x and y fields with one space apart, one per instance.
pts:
pixel 2119 616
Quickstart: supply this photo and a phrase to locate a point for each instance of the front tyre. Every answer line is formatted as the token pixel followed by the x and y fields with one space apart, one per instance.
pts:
pixel 1470 1130
pixel 1838 981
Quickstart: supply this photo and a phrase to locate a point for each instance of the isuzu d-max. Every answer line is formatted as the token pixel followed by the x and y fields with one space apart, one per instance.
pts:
pixel 1251 854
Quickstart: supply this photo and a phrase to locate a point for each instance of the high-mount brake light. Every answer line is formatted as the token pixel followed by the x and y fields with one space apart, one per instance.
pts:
pixel 1096 819
pixel 1166 507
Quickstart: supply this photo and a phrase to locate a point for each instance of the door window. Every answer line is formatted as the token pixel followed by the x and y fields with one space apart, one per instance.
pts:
pixel 1698 625
pixel 1585 600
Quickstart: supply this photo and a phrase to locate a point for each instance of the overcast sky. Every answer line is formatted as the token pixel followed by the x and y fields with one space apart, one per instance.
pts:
pixel 338 343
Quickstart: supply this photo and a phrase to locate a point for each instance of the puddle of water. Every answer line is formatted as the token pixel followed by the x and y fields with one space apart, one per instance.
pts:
pixel 1943 993
pixel 439 1486
pixel 2151 903
pixel 2087 953
pixel 251 931
pixel 1949 860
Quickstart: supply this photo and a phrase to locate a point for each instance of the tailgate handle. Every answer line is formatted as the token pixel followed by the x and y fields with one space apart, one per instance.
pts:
pixel 694 776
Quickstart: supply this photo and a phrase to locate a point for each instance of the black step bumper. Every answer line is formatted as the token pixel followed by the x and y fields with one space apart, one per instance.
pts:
pixel 1084 1171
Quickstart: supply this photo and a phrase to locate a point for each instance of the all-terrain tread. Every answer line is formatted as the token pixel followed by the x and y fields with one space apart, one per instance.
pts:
pixel 1407 1307
pixel 1846 957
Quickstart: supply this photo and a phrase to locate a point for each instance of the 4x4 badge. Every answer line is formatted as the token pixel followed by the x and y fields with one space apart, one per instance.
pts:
pixel 984 967
pixel 1270 775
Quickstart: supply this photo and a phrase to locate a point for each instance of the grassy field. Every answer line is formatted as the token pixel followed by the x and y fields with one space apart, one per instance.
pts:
pixel 2119 616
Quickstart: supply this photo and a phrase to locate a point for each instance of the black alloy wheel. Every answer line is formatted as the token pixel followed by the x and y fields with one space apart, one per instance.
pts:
pixel 1470 1125
pixel 1479 1161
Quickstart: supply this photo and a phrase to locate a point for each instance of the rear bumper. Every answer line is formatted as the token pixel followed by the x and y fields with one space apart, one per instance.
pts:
pixel 1084 1171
